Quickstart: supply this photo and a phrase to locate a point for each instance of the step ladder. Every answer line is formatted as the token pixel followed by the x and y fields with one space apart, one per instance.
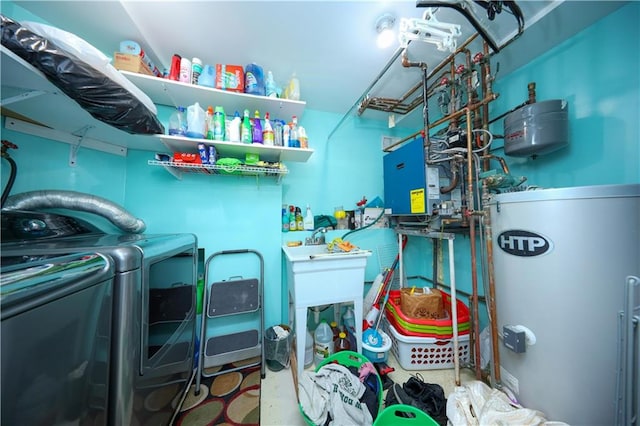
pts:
pixel 235 296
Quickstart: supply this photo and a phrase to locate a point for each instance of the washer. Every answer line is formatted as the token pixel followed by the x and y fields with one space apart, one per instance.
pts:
pixel 56 339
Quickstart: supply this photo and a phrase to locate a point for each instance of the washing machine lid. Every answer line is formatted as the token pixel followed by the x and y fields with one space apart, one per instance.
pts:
pixel 126 250
pixel 30 283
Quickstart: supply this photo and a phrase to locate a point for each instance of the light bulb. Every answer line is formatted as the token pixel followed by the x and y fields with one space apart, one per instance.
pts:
pixel 385 38
pixel 384 27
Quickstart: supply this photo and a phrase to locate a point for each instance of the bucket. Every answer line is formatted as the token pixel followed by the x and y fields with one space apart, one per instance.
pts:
pixel 379 354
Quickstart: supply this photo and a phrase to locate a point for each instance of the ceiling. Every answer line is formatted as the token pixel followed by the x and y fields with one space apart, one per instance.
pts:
pixel 330 45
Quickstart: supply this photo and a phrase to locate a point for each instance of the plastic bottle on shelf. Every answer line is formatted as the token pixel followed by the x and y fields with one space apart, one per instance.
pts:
pixel 196 121
pixel 286 134
pixel 302 138
pixel 234 128
pixel 257 128
pixel 254 80
pixel 299 219
pixel 268 137
pixel 293 88
pixel 178 122
pixel 293 224
pixel 293 133
pixel 196 70
pixel 323 343
pixel 285 219
pixel 245 130
pixel 208 76
pixel 219 124
pixel 278 127
pixel 342 343
pixel 308 350
pixel 270 86
pixel 209 122
pixel 308 220
pixel 185 70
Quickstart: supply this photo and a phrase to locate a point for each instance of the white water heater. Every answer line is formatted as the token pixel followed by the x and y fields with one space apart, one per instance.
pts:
pixel 561 257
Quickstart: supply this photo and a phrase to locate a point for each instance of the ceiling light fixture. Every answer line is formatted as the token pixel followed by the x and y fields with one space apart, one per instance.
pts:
pixel 384 27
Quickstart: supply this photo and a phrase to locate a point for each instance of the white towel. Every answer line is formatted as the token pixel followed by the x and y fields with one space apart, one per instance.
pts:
pixel 333 389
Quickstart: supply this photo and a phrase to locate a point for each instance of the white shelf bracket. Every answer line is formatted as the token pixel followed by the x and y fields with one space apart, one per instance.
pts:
pixel 73 149
pixel 21 97
pixel 17 125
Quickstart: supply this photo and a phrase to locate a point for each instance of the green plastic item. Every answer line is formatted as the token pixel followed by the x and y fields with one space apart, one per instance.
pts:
pixel 393 416
pixel 229 165
pixel 347 359
pixel 199 294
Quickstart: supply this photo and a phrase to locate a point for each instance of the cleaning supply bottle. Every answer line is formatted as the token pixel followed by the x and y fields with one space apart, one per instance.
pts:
pixel 234 128
pixel 293 224
pixel 195 121
pixel 254 80
pixel 178 122
pixel 308 220
pixel 219 124
pixel 257 128
pixel 245 131
pixel 209 121
pixel 268 137
pixel 270 86
pixel 302 138
pixel 323 343
pixel 185 70
pixel 286 134
pixel 334 330
pixel 342 343
pixel 196 70
pixel 299 219
pixel 285 219
pixel 308 350
pixel 293 133
pixel 293 88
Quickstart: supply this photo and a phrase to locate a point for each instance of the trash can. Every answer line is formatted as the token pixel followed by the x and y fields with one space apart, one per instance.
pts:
pixel 277 340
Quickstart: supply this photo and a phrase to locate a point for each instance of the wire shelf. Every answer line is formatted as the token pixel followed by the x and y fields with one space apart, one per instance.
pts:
pixel 177 169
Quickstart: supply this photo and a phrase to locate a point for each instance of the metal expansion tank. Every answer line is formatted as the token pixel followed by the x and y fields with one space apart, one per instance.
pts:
pixel 561 257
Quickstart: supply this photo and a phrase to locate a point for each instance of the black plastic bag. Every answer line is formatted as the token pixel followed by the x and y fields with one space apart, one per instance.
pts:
pixel 100 96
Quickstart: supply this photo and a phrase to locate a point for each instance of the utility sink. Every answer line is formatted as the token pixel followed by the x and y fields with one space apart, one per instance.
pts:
pixel 319 252
pixel 317 277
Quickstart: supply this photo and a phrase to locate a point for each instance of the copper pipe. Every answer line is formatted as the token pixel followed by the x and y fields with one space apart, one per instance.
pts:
pixel 472 239
pixel 485 75
pixel 503 163
pixel 366 103
pixel 454 180
pixel 451 116
pixel 491 299
pixel 452 101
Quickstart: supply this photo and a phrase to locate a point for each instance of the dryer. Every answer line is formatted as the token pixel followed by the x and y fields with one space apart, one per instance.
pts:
pixel 154 311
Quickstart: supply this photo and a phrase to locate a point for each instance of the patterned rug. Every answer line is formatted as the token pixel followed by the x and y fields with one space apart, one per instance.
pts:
pixel 231 398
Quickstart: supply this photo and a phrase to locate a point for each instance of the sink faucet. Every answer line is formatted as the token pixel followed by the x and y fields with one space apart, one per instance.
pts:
pixel 315 241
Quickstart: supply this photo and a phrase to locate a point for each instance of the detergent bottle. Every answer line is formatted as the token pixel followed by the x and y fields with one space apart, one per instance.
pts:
pixel 323 343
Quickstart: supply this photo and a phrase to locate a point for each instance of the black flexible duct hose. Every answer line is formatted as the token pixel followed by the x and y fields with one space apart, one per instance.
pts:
pixel 12 178
pixel 12 175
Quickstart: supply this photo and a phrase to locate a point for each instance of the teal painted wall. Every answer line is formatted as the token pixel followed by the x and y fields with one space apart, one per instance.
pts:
pixel 596 71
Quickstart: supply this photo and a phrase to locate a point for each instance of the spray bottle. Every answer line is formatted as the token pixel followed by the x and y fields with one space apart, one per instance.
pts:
pixel 245 131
